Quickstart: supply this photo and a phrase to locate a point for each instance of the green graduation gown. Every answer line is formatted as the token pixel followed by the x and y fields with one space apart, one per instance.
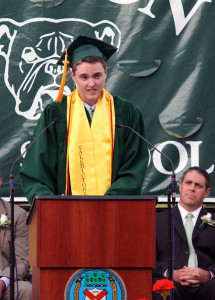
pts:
pixel 43 170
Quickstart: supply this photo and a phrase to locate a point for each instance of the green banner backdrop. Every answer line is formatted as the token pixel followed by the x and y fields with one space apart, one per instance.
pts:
pixel 165 64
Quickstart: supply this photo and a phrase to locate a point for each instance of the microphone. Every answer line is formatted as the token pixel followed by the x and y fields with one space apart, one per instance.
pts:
pixel 173 179
pixel 171 187
pixel 11 191
pixel 32 143
pixel 145 140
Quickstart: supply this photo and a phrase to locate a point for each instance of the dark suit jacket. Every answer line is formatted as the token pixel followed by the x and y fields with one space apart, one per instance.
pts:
pixel 203 242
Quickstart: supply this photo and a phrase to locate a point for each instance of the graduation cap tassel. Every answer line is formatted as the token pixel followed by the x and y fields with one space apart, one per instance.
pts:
pixel 60 93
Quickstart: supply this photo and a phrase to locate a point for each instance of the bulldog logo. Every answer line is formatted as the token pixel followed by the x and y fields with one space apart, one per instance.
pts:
pixel 30 51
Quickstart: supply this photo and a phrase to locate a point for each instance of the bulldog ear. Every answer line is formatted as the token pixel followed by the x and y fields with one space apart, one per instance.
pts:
pixel 5 39
pixel 108 33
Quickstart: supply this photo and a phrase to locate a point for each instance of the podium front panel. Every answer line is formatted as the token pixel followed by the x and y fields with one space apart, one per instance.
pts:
pixel 93 233
pixel 69 234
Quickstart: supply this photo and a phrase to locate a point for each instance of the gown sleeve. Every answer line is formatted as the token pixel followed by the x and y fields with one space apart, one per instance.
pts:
pixel 39 169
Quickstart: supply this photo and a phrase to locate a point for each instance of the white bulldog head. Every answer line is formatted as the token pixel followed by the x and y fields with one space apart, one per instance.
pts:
pixel 30 71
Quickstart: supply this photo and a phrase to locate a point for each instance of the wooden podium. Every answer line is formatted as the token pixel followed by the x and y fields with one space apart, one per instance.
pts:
pixel 68 233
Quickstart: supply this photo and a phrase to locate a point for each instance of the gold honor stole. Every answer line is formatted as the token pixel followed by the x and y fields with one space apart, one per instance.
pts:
pixel 89 149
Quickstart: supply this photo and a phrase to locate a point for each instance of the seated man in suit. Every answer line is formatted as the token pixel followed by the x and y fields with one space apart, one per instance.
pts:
pixel 194 259
pixel 21 253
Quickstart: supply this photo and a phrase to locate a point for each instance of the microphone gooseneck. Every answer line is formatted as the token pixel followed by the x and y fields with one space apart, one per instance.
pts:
pixel 11 192
pixel 140 136
pixel 32 143
pixel 171 189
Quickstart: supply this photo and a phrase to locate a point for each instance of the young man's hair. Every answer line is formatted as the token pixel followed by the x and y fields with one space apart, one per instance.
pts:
pixel 202 172
pixel 90 60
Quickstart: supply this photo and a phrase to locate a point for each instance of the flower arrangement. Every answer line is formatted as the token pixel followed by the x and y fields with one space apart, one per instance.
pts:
pixel 206 219
pixel 163 287
pixel 4 222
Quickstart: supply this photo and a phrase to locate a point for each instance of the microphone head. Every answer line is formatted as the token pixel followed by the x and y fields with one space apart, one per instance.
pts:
pixel 118 125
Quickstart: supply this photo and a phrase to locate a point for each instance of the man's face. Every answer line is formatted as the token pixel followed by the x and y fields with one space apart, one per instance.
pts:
pixel 193 191
pixel 90 79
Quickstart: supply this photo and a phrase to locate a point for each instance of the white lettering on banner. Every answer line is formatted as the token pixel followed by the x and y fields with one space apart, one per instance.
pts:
pixel 147 10
pixel 183 156
pixel 123 1
pixel 23 149
pixel 177 11
pixel 194 155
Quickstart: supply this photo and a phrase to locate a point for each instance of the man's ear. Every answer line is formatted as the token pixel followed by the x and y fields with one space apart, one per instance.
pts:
pixel 208 191
pixel 73 75
pixel 180 186
pixel 0 181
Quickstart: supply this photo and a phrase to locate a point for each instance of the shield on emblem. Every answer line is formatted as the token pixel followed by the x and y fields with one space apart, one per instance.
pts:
pixel 95 294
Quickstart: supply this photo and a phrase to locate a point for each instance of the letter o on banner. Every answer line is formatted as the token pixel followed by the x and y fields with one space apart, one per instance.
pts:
pixel 183 157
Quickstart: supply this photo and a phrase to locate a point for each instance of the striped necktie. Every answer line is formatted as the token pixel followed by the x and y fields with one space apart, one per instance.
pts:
pixel 189 232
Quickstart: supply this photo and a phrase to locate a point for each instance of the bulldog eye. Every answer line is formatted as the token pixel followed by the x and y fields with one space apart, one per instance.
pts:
pixel 29 55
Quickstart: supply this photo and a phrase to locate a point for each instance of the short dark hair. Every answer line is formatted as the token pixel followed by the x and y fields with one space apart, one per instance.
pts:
pixel 90 60
pixel 202 172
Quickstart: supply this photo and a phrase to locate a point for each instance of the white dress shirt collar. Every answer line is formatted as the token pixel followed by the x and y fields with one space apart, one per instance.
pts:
pixel 184 212
pixel 88 106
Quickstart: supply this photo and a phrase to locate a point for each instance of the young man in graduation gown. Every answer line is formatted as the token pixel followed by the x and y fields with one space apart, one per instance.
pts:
pixel 84 153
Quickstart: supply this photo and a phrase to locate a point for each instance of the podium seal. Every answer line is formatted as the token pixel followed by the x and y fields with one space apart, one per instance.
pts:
pixel 95 284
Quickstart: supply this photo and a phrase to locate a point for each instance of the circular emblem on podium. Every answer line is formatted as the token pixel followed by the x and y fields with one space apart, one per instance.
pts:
pixel 95 284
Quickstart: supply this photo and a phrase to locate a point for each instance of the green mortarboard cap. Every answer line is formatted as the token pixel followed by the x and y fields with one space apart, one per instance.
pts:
pixel 84 46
